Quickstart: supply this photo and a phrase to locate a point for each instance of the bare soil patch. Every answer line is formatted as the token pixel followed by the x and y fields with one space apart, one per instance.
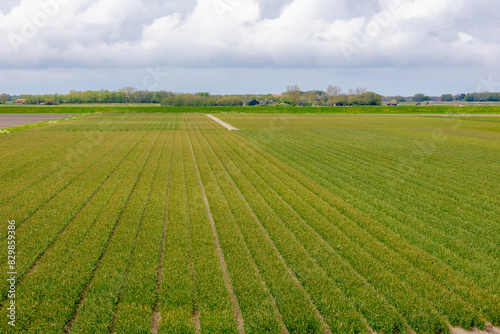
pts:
pixel 488 329
pixel 11 120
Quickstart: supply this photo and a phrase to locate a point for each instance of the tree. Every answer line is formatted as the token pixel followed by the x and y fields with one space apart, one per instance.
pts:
pixel 360 90
pixel 229 101
pixel 420 97
pixel 293 94
pixel 446 97
pixel 400 98
pixel 333 93
pixel 372 99
pixel 342 100
pixel 470 98
pixel 365 99
pixel 128 91
pixel 314 97
pixel 483 97
pixel 4 98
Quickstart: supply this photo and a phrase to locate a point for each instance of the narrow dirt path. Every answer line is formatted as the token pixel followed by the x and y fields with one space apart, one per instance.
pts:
pixel 284 330
pixel 323 322
pixel 488 329
pixel 224 124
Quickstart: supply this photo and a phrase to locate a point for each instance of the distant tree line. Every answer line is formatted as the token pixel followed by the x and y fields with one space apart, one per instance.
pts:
pixel 124 95
pixel 482 97
pixel 332 96
pixel 132 95
pixel 200 100
pixel 472 97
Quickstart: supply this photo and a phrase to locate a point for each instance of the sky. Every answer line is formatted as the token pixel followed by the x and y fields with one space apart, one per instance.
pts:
pixel 392 47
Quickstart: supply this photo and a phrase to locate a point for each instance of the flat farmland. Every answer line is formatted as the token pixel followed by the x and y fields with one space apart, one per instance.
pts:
pixel 170 223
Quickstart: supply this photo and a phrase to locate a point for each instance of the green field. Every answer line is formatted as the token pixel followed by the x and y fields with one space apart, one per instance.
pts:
pixel 169 223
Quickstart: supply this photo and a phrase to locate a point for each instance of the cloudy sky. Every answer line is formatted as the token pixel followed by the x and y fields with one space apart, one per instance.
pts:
pixel 250 46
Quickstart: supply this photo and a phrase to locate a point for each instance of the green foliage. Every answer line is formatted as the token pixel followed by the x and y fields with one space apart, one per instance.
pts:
pixel 407 211
pixel 400 98
pixel 352 223
pixel 483 97
pixel 200 100
pixel 446 97
pixel 4 98
pixel 421 97
pixel 365 99
pixel 102 96
pixel 293 95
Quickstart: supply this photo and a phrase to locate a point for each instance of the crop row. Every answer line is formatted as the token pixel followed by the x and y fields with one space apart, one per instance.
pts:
pixel 263 238
pixel 104 293
pixel 31 168
pixel 324 165
pixel 32 198
pixel 66 267
pixel 212 298
pixel 39 284
pixel 359 233
pixel 349 166
pixel 392 151
pixel 364 265
pixel 96 310
pixel 177 301
pixel 119 122
pixel 295 157
pixel 199 229
pixel 448 247
pixel 139 295
pixel 330 160
pixel 258 306
pixel 432 157
pixel 42 227
pixel 27 197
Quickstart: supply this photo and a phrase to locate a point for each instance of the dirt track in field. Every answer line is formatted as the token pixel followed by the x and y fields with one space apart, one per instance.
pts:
pixel 224 124
pixel 10 120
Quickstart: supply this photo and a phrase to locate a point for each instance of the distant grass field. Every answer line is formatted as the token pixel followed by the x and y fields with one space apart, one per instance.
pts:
pixel 152 108
pixel 169 223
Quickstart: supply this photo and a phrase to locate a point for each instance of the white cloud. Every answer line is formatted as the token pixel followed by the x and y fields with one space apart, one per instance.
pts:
pixel 463 39
pixel 110 12
pixel 41 34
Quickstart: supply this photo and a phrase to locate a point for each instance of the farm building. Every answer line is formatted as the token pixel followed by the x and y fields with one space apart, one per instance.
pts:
pixel 393 103
pixel 20 101
pixel 267 101
pixel 250 102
